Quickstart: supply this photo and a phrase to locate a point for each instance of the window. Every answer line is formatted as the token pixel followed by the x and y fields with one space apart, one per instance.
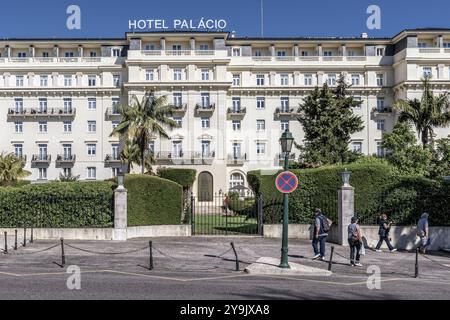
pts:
pixel 179 121
pixel 380 125
pixel 380 151
pixel 331 80
pixel 205 123
pixel 206 102
pixel 351 53
pixel 260 103
pixel 116 80
pixel 43 81
pixel 206 148
pixel 149 75
pixel 115 105
pixel 357 147
pixel 327 53
pixel 19 81
pixel 92 81
pixel 304 53
pixel 204 47
pixel 236 104
pixel 42 152
pixel 92 126
pixel 115 148
pixel 42 127
pixel 380 104
pixel 284 104
pixel 260 125
pixel 18 105
pixel 177 148
pixel 380 80
pixel 67 151
pixel 91 149
pixel 237 180
pixel 42 174
pixel 92 173
pixel 308 79
pixel 236 150
pixel 42 106
pixel 236 124
pixel 422 45
pixel 21 54
pixel 446 45
pixel 284 79
pixel 18 150
pixel 236 52
pixel 258 53
pixel 284 125
pixel 67 105
pixel 260 80
pixel 205 74
pixel 67 81
pixel 149 47
pixel 67 127
pixel 151 147
pixel 92 103
pixel 177 99
pixel 67 172
pixel 116 52
pixel 427 72
pixel 355 79
pixel 114 124
pixel 69 54
pixel 260 148
pixel 357 98
pixel 177 74
pixel 380 52
pixel 115 172
pixel 18 127
pixel 93 54
pixel 236 79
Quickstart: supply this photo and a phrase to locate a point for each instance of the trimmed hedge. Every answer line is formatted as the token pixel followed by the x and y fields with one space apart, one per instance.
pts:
pixel 57 205
pixel 153 201
pixel 184 177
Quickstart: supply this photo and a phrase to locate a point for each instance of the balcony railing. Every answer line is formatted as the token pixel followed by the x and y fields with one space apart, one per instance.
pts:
pixel 310 58
pixel 285 112
pixel 186 158
pixel 237 159
pixel 179 109
pixel 236 113
pixel 384 110
pixel 43 113
pixel 57 59
pixel 205 110
pixel 112 114
pixel 66 159
pixel 41 159
pixel 178 52
pixel 110 158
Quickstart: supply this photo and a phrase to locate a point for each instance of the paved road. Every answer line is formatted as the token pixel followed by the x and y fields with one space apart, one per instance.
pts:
pixel 190 268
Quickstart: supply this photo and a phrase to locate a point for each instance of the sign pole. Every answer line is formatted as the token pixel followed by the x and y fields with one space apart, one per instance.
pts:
pixel 285 241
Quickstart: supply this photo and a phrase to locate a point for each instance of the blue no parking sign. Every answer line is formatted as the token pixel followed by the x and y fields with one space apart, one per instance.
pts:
pixel 286 182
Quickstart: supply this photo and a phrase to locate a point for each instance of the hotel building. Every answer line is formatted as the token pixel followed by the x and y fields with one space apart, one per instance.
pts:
pixel 234 96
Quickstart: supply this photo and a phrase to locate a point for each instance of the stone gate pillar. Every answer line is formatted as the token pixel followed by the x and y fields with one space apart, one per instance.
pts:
pixel 346 208
pixel 120 212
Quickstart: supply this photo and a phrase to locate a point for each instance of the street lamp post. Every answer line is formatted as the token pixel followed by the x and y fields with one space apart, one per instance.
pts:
pixel 286 142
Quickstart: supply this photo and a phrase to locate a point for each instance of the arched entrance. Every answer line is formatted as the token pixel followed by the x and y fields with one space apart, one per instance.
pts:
pixel 205 187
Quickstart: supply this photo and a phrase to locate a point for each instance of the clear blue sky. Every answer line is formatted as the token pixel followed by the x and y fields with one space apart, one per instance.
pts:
pixel 109 18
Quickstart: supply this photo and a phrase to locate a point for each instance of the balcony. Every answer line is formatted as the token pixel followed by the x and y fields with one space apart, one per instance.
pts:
pixel 185 158
pixel 382 111
pixel 62 60
pixel 285 113
pixel 205 110
pixel 112 114
pixel 22 159
pixel 47 114
pixel 180 110
pixel 236 159
pixel 236 114
pixel 41 160
pixel 113 160
pixel 65 160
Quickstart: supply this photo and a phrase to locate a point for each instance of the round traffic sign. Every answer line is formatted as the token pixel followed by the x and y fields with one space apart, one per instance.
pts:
pixel 286 182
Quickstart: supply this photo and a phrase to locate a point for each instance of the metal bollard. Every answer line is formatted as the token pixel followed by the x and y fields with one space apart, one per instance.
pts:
pixel 31 239
pixel 15 240
pixel 24 237
pixel 330 264
pixel 63 256
pixel 6 243
pixel 151 255
pixel 416 274
pixel 236 255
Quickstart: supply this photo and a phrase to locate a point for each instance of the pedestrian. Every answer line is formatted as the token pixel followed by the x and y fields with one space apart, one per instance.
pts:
pixel 422 232
pixel 355 242
pixel 321 227
pixel 226 205
pixel 383 232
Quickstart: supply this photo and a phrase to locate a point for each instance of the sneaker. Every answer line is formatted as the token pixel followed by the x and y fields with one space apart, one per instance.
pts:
pixel 322 258
pixel 378 250
pixel 352 264
pixel 394 250
pixel 357 264
pixel 317 256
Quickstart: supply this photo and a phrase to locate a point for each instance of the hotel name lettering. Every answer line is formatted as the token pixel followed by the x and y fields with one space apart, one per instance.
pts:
pixel 177 24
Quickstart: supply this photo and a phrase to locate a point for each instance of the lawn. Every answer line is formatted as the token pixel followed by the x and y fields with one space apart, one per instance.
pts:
pixel 221 224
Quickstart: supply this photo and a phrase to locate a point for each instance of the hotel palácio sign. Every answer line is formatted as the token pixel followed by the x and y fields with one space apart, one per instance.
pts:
pixel 177 24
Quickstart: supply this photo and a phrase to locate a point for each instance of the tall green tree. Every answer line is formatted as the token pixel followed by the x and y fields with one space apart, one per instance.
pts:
pixel 426 114
pixel 11 169
pixel 143 119
pixel 328 121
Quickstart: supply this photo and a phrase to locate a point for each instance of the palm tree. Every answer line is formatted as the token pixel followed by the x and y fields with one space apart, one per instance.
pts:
pixel 130 154
pixel 144 119
pixel 11 169
pixel 426 114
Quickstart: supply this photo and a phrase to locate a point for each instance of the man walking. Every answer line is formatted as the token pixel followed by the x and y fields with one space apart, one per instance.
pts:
pixel 355 242
pixel 383 232
pixel 321 227
pixel 422 232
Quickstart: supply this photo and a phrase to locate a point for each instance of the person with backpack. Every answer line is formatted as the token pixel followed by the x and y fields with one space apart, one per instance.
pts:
pixel 321 227
pixel 355 242
pixel 383 232
pixel 423 233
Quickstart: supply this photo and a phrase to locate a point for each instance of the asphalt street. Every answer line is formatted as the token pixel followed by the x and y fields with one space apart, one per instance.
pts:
pixel 201 268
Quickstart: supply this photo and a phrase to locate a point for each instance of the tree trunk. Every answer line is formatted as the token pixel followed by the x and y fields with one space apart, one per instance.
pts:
pixel 424 138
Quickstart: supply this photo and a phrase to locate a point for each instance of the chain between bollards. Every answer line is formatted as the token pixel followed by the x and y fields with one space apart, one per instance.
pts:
pixel 6 243
pixel 330 264
pixel 416 274
pixel 151 255
pixel 236 255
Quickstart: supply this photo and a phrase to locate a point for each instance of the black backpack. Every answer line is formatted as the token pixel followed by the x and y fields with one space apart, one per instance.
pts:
pixel 325 225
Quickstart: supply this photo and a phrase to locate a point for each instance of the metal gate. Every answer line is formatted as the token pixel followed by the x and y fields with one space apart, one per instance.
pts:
pixel 237 213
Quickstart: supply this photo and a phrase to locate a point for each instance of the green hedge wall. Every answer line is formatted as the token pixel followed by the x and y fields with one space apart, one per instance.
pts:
pixel 57 205
pixel 184 177
pixel 153 201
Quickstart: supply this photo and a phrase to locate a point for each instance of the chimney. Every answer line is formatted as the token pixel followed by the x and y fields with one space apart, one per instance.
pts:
pixel 364 35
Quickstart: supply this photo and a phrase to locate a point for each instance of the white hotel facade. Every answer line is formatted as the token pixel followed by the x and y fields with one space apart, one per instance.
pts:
pixel 235 96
